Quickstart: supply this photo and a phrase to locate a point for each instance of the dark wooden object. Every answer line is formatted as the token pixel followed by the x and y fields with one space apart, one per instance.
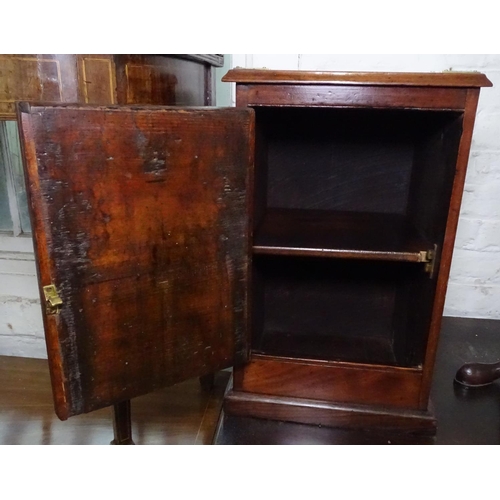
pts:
pixel 321 272
pixel 122 423
pixel 207 382
pixel 145 237
pixel 478 374
pixel 362 167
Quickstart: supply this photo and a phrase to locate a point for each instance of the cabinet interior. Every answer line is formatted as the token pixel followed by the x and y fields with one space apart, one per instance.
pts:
pixel 345 202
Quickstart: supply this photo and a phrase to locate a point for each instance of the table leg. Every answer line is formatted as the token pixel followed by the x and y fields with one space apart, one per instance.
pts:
pixel 207 382
pixel 122 423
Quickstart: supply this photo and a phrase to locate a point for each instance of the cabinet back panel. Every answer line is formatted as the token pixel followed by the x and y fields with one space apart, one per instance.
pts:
pixel 344 176
pixel 339 159
pixel 327 309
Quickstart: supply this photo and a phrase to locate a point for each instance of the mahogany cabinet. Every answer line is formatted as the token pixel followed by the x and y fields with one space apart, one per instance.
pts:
pixel 304 237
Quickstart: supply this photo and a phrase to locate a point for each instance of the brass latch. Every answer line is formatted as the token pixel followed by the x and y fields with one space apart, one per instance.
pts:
pixel 429 258
pixel 53 302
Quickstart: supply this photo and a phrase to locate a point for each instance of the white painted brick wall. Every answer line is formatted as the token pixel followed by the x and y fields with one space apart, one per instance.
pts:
pixel 21 327
pixel 474 289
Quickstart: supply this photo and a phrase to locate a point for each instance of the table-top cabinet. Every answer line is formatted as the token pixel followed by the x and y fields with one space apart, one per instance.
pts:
pixel 304 237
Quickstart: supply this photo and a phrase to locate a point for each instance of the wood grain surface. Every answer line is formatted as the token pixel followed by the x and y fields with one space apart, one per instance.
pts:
pixel 353 96
pixel 140 221
pixel 279 77
pixel 371 143
pixel 330 381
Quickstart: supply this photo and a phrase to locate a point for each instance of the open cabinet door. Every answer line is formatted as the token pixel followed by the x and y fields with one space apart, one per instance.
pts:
pixel 142 240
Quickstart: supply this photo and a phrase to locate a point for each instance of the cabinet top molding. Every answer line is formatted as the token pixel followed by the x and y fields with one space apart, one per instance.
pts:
pixel 443 79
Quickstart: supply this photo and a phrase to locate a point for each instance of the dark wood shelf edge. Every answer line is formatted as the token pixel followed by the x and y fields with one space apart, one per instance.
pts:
pixel 337 253
pixel 355 349
pixel 339 234
pixel 313 412
pixel 338 364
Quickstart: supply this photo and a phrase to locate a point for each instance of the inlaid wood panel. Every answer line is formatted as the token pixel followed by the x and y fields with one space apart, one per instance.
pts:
pixel 149 79
pixel 149 83
pixel 34 77
pixel 97 79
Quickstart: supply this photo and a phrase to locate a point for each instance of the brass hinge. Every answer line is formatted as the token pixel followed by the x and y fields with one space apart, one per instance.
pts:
pixel 428 257
pixel 53 302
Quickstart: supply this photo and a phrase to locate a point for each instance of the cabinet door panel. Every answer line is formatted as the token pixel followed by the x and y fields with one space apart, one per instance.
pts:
pixel 140 222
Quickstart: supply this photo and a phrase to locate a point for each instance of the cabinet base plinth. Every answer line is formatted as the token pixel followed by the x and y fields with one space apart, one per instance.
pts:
pixel 308 411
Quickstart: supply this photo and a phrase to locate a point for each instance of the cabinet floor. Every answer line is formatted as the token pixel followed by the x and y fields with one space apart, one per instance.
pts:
pixel 185 414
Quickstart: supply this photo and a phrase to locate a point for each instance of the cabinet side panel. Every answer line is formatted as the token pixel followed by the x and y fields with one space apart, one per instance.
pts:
pixel 430 194
pixel 448 242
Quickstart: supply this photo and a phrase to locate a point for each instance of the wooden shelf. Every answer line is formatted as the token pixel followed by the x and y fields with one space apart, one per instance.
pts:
pixel 350 235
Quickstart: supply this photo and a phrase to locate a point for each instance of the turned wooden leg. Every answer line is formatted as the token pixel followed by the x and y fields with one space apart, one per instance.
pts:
pixel 478 374
pixel 207 382
pixel 122 423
